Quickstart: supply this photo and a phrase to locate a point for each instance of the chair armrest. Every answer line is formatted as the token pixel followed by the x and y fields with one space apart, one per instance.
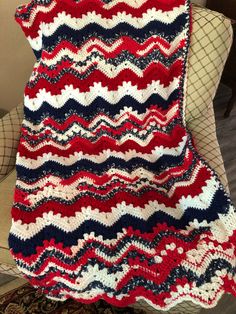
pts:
pixel 10 126
pixel 203 129
pixel 211 40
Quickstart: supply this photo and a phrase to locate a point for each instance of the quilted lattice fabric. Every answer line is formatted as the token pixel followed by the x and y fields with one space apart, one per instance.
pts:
pixel 112 199
pixel 9 139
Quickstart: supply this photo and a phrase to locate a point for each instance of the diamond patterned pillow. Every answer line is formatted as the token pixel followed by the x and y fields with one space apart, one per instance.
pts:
pixel 9 139
pixel 210 43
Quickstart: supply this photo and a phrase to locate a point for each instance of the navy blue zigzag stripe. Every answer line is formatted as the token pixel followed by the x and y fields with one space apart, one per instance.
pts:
pixel 28 247
pixel 98 105
pixel 141 34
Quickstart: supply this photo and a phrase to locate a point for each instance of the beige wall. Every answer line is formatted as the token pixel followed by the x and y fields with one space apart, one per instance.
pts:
pixel 201 2
pixel 16 56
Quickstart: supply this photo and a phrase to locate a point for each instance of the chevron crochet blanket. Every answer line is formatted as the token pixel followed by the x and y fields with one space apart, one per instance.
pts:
pixel 112 199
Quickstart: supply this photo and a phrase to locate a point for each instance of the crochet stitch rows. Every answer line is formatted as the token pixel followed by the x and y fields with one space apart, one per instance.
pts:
pixel 112 198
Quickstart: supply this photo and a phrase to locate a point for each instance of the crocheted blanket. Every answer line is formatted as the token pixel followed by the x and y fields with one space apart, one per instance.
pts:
pixel 112 199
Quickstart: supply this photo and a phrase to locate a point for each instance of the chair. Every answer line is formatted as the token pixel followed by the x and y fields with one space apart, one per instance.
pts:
pixel 211 40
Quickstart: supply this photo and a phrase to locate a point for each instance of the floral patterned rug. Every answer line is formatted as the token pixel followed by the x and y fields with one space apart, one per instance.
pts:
pixel 27 300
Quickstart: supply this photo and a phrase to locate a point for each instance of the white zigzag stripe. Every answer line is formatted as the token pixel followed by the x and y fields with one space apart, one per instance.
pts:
pixel 132 3
pixel 103 119
pixel 136 4
pixel 82 53
pixel 155 154
pixel 97 90
pixel 113 173
pixel 118 142
pixel 36 42
pixel 26 231
pixel 201 256
pixel 34 12
pixel 222 228
pixel 63 194
pixel 173 44
pixel 198 263
pixel 193 261
pixel 63 18
pixel 188 295
pixel 109 70
pixel 94 273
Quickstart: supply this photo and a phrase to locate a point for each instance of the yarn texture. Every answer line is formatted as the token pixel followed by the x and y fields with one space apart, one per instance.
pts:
pixel 112 199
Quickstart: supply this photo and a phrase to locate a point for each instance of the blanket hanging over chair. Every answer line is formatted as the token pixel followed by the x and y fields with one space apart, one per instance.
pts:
pixel 112 199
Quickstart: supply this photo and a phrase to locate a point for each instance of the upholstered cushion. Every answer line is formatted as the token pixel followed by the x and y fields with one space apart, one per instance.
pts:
pixel 210 42
pixel 7 264
pixel 9 138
